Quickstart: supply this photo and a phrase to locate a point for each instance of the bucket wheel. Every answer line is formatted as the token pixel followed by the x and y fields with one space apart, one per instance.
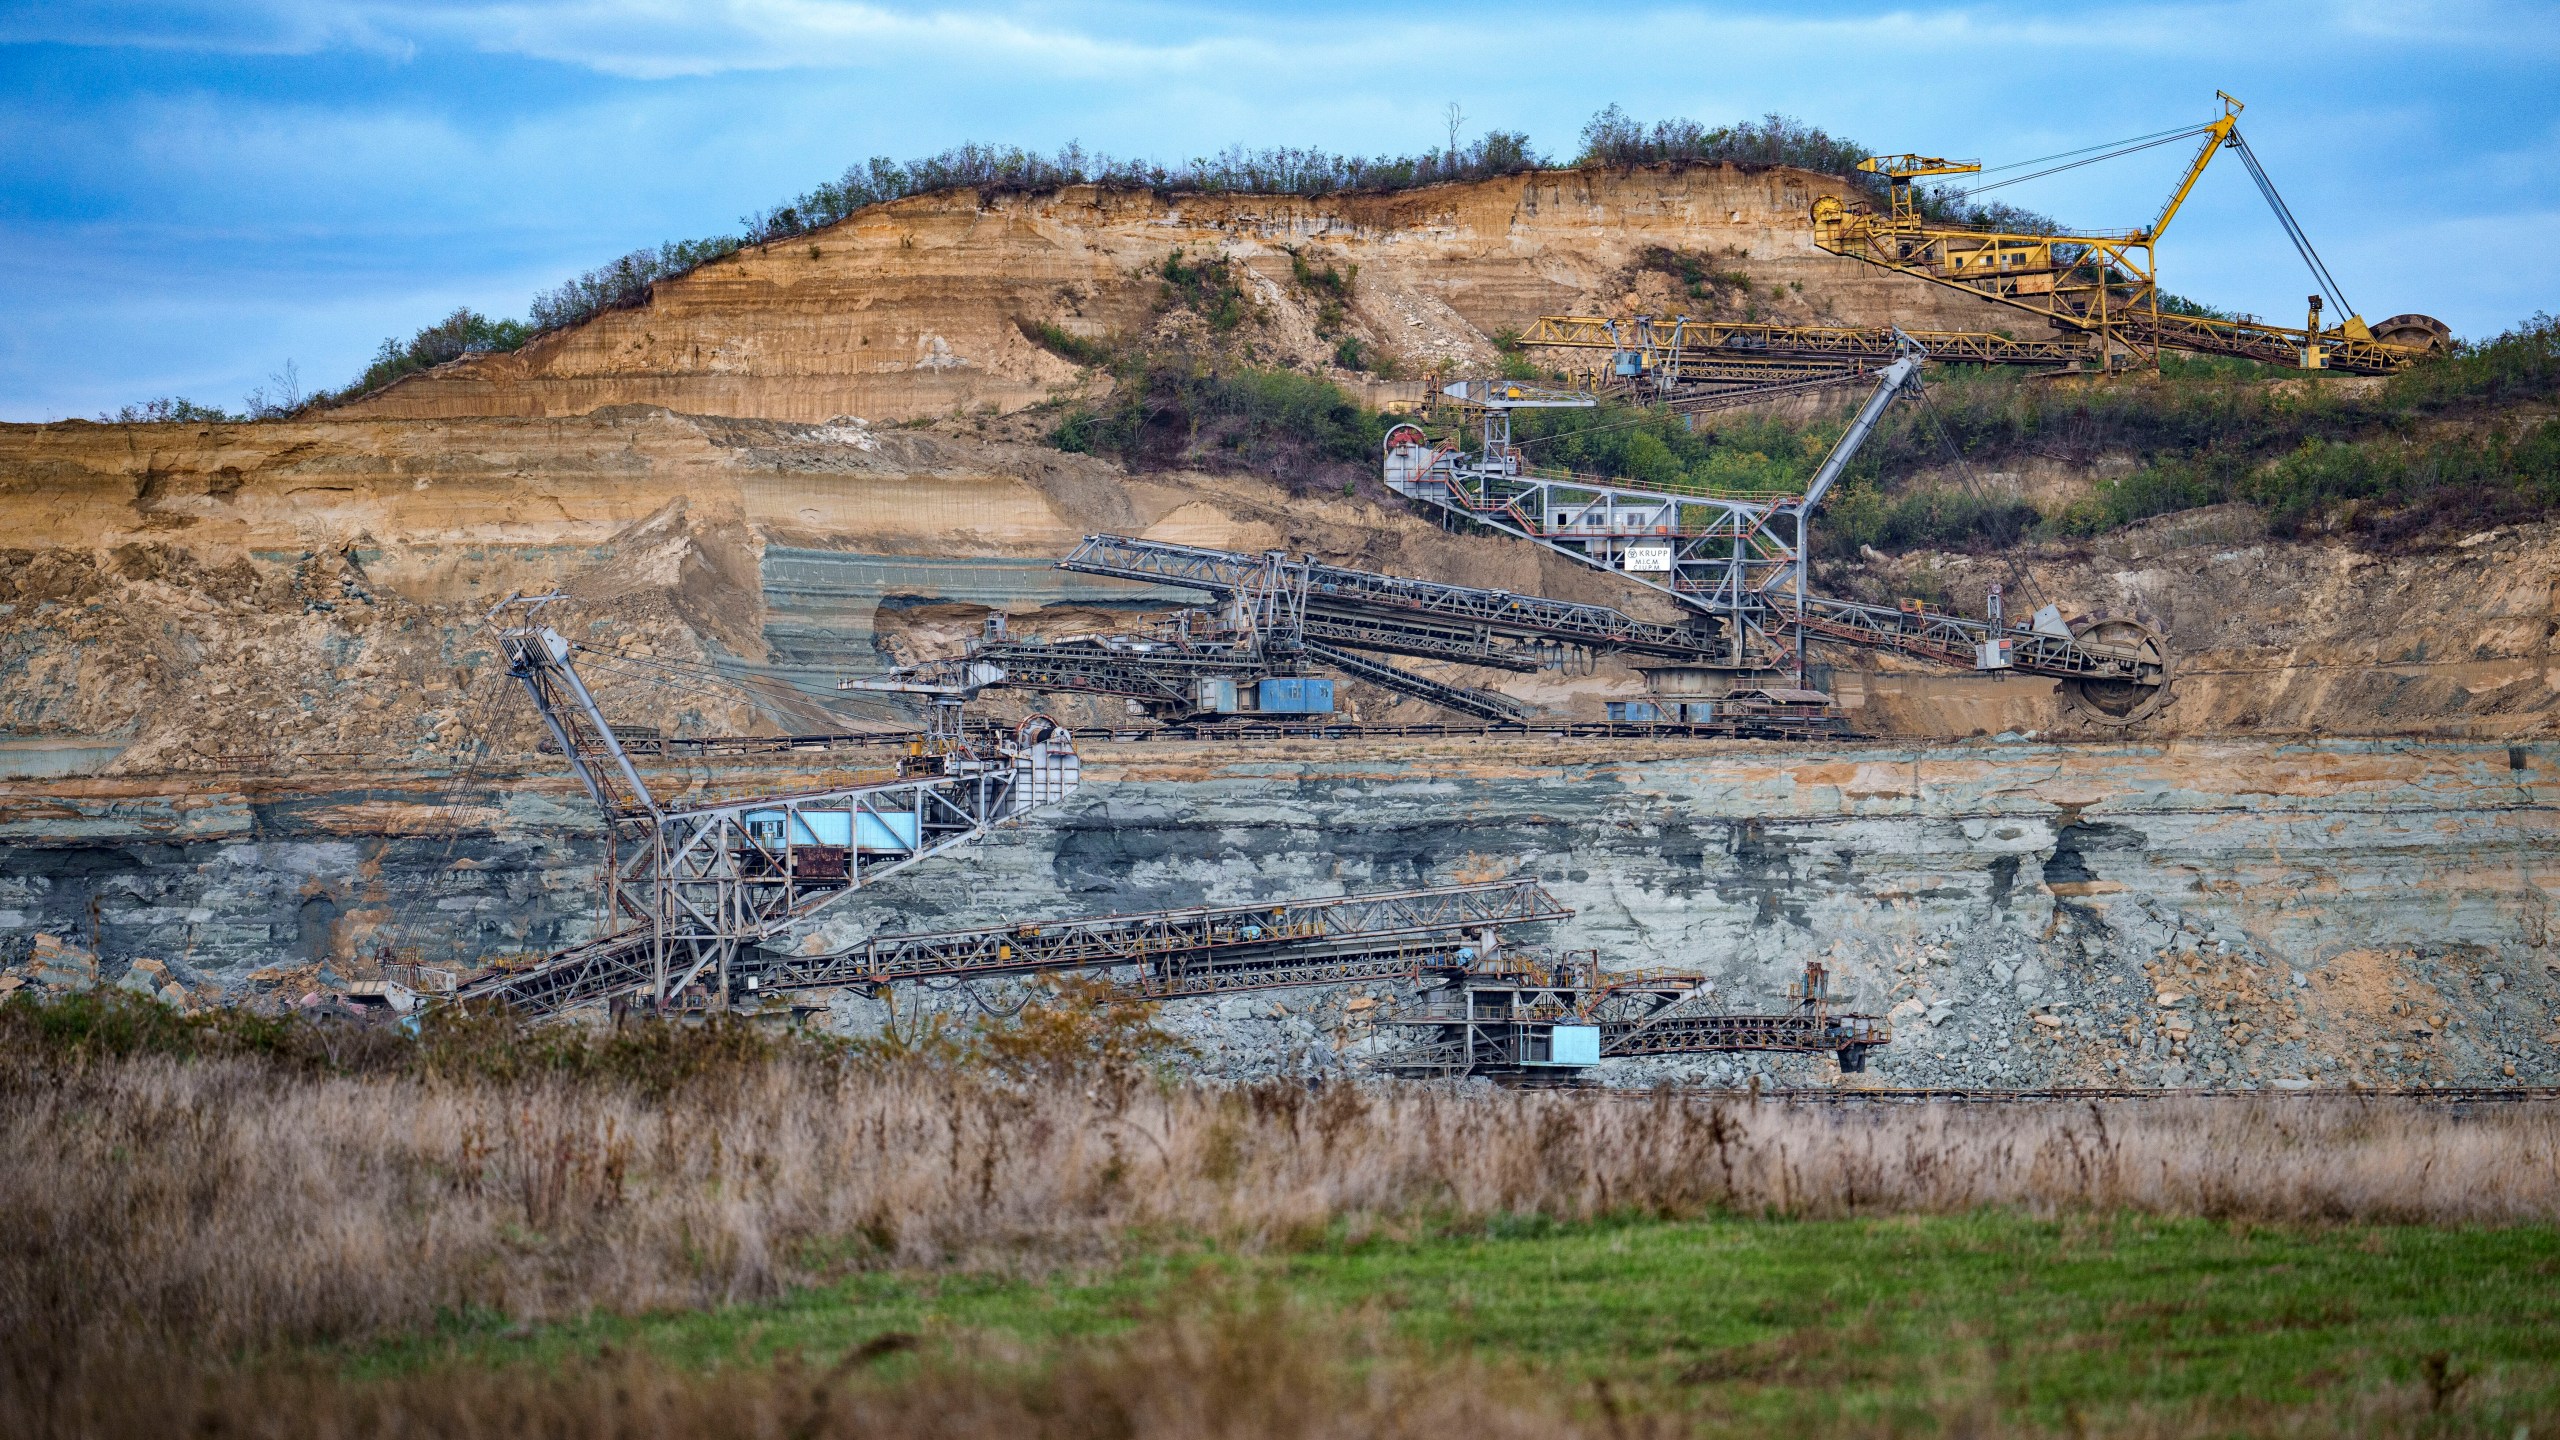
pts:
pixel 2117 701
pixel 2415 332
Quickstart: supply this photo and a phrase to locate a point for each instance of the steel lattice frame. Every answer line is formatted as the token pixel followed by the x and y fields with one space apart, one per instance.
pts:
pixel 1734 557
pixel 1503 1023
pixel 720 879
pixel 2102 283
pixel 1426 641
pixel 1269 622
pixel 1164 674
pixel 687 889
pixel 1688 349
pixel 1165 954
pixel 1200 950
pixel 1363 596
pixel 1484 704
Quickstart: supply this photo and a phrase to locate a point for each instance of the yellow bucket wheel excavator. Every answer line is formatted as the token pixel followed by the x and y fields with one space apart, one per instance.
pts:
pixel 2104 284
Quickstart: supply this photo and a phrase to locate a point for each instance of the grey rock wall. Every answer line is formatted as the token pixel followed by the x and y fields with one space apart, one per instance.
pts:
pixel 2027 914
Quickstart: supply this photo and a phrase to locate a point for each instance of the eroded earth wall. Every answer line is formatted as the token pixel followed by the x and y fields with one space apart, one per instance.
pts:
pixel 2198 913
pixel 924 306
pixel 250 721
pixel 191 599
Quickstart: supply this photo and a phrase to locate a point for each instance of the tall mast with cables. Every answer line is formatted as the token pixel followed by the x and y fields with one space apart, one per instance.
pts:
pixel 2102 284
pixel 1741 557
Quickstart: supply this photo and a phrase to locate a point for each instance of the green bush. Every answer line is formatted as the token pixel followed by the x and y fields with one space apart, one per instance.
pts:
pixel 1613 139
pixel 1072 348
pixel 2394 486
pixel 1326 281
pixel 2176 304
pixel 2312 454
pixel 1695 272
pixel 2154 490
pixel 447 1042
pixel 1008 169
pixel 623 284
pixel 1076 1027
pixel 1749 454
pixel 166 410
pixel 1175 410
pixel 2387 485
pixel 116 1024
pixel 1110 429
pixel 1330 286
pixel 2523 364
pixel 1208 288
pixel 464 332
pixel 1931 519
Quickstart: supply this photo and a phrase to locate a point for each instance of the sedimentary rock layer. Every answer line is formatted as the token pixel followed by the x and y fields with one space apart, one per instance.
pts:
pixel 2220 913
pixel 919 307
pixel 182 597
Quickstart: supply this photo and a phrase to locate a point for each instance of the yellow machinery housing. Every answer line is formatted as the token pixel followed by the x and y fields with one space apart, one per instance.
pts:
pixel 2104 284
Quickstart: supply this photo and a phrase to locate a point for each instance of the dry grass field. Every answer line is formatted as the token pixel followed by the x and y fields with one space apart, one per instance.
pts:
pixel 193 1232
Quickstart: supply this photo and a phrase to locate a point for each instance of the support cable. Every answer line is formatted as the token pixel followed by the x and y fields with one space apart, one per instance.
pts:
pixel 689 676
pixel 2156 135
pixel 1974 486
pixel 992 1012
pixel 2170 138
pixel 2292 228
pixel 702 672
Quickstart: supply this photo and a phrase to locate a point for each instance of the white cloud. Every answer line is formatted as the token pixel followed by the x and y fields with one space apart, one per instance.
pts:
pixel 275 27
pixel 668 120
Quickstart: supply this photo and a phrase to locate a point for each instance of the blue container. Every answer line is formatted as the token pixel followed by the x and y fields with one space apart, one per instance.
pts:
pixel 1294 696
pixel 892 834
pixel 1634 712
pixel 1574 1045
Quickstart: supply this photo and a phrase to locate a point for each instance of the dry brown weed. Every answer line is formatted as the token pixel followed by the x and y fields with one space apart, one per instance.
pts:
pixel 225 1204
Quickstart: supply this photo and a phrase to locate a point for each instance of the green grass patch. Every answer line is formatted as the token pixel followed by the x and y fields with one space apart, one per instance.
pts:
pixel 1776 1322
pixel 2314 455
pixel 1074 349
pixel 1751 454
pixel 1209 287
pixel 1171 409
pixel 1700 275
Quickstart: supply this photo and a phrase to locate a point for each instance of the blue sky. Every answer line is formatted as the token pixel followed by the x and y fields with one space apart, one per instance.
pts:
pixel 193 195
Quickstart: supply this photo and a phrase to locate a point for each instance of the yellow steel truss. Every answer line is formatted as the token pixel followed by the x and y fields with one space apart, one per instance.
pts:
pixel 1660 342
pixel 2101 283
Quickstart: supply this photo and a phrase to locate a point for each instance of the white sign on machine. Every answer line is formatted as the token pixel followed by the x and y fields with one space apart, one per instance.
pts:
pixel 1650 559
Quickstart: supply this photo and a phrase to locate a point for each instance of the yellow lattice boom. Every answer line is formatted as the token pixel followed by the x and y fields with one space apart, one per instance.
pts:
pixel 2101 283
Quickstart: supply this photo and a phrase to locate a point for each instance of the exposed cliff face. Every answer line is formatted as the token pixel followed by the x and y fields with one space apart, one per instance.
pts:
pixel 238 666
pixel 250 715
pixel 2226 913
pixel 916 308
pixel 313 593
pixel 2273 636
